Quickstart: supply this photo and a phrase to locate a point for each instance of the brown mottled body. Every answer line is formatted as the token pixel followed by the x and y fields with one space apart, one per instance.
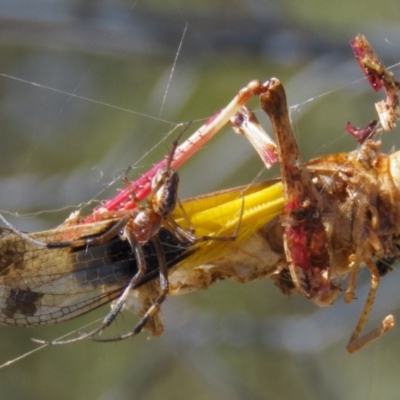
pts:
pixel 342 212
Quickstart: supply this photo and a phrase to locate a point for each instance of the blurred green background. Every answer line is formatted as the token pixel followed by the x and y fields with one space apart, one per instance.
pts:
pixel 83 95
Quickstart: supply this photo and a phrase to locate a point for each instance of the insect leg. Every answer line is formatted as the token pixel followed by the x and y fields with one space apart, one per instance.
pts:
pixel 356 341
pixel 305 238
pixel 155 307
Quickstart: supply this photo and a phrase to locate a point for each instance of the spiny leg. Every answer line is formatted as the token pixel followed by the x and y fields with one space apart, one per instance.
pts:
pixel 155 307
pixel 365 238
pixel 95 241
pixel 356 341
pixel 354 266
pixel 305 238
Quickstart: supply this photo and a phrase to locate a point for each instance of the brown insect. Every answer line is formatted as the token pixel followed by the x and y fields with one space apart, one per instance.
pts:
pixel 341 211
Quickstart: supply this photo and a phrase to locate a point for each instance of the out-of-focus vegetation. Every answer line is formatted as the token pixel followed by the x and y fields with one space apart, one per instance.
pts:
pixel 83 95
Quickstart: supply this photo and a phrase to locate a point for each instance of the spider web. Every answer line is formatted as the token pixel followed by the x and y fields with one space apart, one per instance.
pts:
pixel 86 95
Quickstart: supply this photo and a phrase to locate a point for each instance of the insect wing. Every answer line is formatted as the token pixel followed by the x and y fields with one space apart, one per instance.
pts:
pixel 219 214
pixel 40 286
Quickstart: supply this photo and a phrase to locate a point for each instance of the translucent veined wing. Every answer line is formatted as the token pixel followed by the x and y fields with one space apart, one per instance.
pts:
pixel 40 286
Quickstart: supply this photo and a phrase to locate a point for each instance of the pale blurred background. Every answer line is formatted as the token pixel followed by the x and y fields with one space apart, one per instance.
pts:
pixel 83 95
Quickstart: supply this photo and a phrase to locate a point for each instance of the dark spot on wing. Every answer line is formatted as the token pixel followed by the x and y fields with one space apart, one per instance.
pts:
pixel 22 301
